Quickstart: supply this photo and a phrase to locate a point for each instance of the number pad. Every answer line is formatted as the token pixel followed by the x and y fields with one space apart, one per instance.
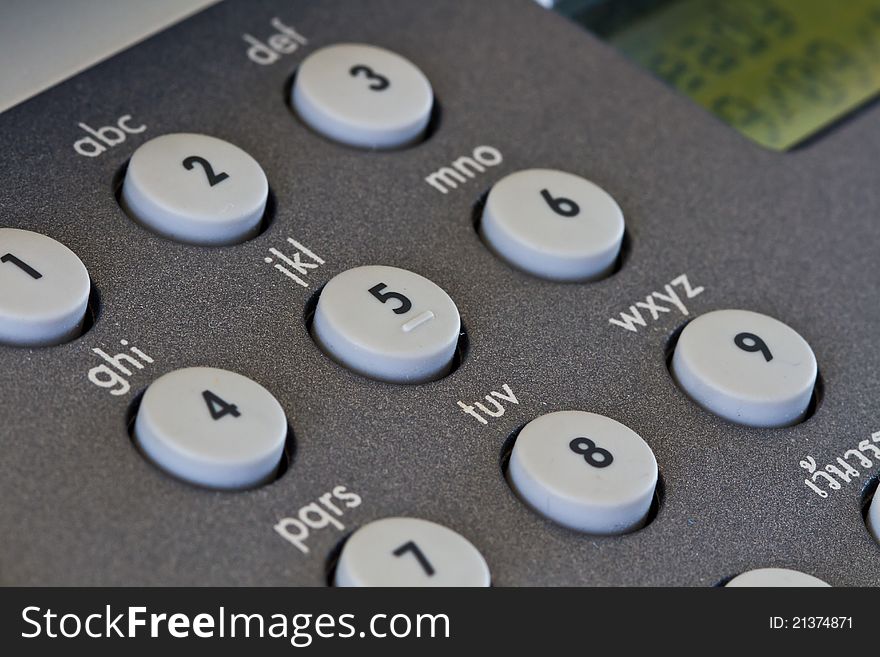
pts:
pixel 196 189
pixel 212 427
pixel 584 471
pixel 409 552
pixel 746 367
pixel 44 290
pixel 387 323
pixel 363 96
pixel 553 224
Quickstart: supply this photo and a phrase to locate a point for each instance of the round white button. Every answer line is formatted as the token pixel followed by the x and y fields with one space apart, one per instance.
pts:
pixel 775 577
pixel 409 552
pixel 44 290
pixel 874 515
pixel 387 323
pixel 746 367
pixel 196 189
pixel 212 427
pixel 584 471
pixel 363 96
pixel 553 224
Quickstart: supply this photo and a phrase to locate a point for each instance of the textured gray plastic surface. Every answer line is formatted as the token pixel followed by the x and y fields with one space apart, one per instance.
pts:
pixel 791 235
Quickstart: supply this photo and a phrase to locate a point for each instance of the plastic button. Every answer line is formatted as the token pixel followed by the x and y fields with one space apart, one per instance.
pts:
pixel 387 323
pixel 195 189
pixel 775 577
pixel 44 290
pixel 363 96
pixel 874 511
pixel 584 471
pixel 553 224
pixel 746 367
pixel 409 552
pixel 212 427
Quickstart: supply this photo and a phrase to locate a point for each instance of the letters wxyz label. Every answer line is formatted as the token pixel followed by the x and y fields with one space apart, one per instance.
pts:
pixel 656 304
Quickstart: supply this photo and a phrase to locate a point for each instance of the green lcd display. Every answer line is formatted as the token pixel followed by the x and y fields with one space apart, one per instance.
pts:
pixel 777 70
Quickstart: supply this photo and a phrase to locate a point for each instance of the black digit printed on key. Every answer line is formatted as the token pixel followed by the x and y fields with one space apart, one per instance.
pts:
pixel 26 268
pixel 405 304
pixel 218 407
pixel 411 547
pixel 213 178
pixel 377 82
pixel 752 343
pixel 588 449
pixel 562 206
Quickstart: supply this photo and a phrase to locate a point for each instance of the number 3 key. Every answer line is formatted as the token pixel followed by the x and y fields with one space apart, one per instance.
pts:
pixel 363 96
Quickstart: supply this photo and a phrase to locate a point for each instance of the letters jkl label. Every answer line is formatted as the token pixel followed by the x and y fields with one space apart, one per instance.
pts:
pixel 295 265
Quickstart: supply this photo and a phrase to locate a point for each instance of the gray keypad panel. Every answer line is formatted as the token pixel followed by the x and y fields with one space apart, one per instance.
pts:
pixel 713 222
